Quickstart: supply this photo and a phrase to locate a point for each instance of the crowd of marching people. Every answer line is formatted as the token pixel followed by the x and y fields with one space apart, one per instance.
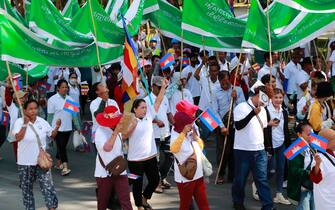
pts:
pixel 185 99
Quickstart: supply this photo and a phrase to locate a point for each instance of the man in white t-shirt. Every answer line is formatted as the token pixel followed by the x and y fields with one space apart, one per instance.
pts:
pixel 303 77
pixel 98 105
pixel 249 150
pixel 192 83
pixel 275 71
pixel 290 73
pixel 331 65
pixel 224 64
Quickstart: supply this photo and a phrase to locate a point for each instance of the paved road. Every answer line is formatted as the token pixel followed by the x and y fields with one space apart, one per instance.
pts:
pixel 77 191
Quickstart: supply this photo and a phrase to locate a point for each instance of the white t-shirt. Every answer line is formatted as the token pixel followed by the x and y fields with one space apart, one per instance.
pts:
pixel 278 136
pixel 301 78
pixel 332 59
pixel 177 96
pixel 266 70
pixel 74 93
pixel 324 192
pixel 251 137
pixel 208 89
pixel 55 106
pixel 161 115
pixel 28 149
pixel 192 84
pixel 186 150
pixel 142 143
pixel 290 73
pixel 13 111
pixel 104 135
pixel 301 103
pixel 94 107
pixel 225 66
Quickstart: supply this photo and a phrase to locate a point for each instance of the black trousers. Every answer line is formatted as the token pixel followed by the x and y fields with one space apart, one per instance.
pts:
pixel 165 157
pixel 150 169
pixel 2 134
pixel 228 157
pixel 62 138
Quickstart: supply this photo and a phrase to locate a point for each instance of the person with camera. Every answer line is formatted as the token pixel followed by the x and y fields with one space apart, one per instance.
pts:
pixel 31 133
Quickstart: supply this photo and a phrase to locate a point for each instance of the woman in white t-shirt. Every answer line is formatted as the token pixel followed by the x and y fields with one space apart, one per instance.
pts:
pixel 56 111
pixel 27 156
pixel 142 149
pixel 184 143
pixel 109 146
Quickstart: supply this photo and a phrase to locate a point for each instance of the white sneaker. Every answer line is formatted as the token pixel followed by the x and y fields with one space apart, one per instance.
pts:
pixel 280 199
pixel 254 192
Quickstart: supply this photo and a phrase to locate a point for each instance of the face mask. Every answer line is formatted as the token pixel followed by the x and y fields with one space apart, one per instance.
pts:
pixel 73 81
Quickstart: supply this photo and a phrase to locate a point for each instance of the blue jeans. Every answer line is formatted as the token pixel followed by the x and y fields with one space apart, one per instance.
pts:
pixel 277 162
pixel 306 201
pixel 256 161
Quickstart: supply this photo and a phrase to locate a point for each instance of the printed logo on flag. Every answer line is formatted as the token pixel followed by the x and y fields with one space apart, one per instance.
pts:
pixel 71 106
pixel 318 142
pixel 297 147
pixel 17 80
pixel 167 61
pixel 209 119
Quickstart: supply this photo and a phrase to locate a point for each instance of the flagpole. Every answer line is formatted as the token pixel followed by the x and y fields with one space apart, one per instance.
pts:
pixel 27 78
pixel 15 91
pixel 96 42
pixel 229 118
pixel 181 61
pixel 269 37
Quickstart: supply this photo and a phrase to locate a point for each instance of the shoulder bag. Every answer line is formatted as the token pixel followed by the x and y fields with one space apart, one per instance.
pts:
pixel 116 166
pixel 44 160
pixel 189 167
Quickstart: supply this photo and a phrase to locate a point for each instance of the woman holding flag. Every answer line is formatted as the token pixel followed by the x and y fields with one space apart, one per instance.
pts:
pixel 61 106
pixel 142 150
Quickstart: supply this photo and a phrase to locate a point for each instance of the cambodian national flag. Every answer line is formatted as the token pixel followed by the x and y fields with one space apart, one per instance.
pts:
pixel 185 62
pixel 318 142
pixel 4 118
pixel 71 106
pixel 167 61
pixel 297 147
pixel 17 80
pixel 133 176
pixel 209 119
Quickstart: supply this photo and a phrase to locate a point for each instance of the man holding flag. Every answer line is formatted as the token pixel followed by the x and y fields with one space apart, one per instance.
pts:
pixel 249 152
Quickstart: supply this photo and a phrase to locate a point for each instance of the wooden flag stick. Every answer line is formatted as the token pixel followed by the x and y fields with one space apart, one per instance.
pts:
pixel 269 37
pixel 229 118
pixel 181 61
pixel 15 91
pixel 96 42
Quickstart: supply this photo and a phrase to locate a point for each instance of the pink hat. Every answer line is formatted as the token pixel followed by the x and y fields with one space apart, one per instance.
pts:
pixel 144 62
pixel 181 120
pixel 109 118
pixel 187 107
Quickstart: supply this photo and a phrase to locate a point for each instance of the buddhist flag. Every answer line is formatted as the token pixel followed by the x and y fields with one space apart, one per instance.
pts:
pixel 297 147
pixel 71 106
pixel 318 142
pixel 209 119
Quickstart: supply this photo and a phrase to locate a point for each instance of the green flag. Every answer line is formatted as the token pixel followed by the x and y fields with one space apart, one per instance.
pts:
pixel 20 45
pixel 70 9
pixel 108 34
pixel 316 6
pixel 168 19
pixel 211 18
pixel 113 8
pixel 47 21
pixel 304 28
pixel 133 17
pixel 35 73
pixel 150 6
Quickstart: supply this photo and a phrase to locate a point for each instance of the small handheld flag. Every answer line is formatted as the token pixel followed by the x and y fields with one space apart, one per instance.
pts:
pixel 4 118
pixel 297 147
pixel 318 142
pixel 71 106
pixel 256 67
pixel 185 62
pixel 44 86
pixel 84 88
pixel 166 61
pixel 133 176
pixel 17 80
pixel 209 119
